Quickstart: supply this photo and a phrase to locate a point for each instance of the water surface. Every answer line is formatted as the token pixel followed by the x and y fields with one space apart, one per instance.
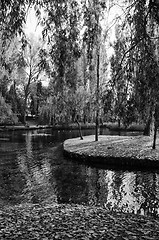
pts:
pixel 33 170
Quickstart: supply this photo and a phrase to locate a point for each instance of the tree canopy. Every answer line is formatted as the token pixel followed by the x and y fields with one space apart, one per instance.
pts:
pixel 72 54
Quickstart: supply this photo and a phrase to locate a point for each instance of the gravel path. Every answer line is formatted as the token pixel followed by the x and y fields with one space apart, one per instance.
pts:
pixel 74 222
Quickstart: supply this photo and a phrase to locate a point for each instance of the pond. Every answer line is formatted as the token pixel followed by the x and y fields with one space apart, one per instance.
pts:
pixel 33 170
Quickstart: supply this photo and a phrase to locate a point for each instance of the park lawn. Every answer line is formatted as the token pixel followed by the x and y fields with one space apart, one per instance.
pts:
pixel 129 150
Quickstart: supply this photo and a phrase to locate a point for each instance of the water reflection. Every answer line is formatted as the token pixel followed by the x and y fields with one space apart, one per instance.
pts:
pixel 36 170
pixel 133 192
pixel 33 170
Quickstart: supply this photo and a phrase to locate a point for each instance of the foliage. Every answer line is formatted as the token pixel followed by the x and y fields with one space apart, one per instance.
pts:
pixel 73 32
pixel 6 114
pixel 134 66
pixel 92 12
pixel 64 108
pixel 73 222
pixel 37 96
pixel 146 83
pixel 61 28
pixel 28 70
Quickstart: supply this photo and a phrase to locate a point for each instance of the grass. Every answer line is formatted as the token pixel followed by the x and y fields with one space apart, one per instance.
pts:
pixel 132 127
pixel 125 151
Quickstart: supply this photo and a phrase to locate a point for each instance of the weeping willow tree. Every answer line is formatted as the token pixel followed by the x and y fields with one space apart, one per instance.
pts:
pixel 140 60
pixel 93 13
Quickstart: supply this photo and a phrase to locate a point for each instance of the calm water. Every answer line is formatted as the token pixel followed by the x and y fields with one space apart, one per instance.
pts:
pixel 33 170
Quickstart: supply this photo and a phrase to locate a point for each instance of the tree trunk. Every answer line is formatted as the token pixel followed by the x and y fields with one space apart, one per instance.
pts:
pixel 97 127
pixel 97 100
pixel 119 123
pixel 26 90
pixel 156 120
pixel 14 97
pixel 24 110
pixel 147 128
pixel 79 128
pixel 154 136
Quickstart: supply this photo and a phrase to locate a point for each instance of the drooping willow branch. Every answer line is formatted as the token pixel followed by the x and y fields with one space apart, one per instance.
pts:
pixel 124 55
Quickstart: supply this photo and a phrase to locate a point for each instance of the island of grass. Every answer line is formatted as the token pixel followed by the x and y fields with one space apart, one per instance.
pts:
pixel 116 151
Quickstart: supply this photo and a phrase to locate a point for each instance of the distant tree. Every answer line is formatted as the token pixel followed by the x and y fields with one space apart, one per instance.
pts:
pixel 27 71
pixel 12 19
pixel 38 97
pixel 6 114
pixel 118 83
pixel 107 105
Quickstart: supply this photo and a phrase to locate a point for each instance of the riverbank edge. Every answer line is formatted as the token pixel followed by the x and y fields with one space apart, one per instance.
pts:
pixel 111 127
pixel 58 128
pixel 72 221
pixel 126 152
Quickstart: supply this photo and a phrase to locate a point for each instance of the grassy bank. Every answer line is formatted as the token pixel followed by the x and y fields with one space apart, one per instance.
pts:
pixel 30 125
pixel 132 127
pixel 74 222
pixel 125 151
pixel 109 125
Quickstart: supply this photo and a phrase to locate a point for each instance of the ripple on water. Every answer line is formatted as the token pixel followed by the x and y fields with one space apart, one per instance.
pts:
pixel 33 170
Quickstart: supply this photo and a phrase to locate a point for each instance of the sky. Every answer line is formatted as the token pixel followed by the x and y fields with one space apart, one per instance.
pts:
pixel 32 26
pixel 33 29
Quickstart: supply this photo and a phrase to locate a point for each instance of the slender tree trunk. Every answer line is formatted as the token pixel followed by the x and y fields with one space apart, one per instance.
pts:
pixel 147 127
pixel 14 97
pixel 24 110
pixel 79 128
pixel 154 136
pixel 119 123
pixel 97 99
pixel 50 117
pixel 26 90
pixel 156 120
pixel 25 104
pixel 149 123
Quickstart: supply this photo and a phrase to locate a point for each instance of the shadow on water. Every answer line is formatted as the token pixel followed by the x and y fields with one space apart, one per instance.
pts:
pixel 33 170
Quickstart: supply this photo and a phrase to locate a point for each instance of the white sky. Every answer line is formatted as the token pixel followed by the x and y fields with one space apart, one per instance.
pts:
pixel 32 26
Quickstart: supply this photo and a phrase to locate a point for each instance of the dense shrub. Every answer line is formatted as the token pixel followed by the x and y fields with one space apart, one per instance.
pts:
pixel 7 116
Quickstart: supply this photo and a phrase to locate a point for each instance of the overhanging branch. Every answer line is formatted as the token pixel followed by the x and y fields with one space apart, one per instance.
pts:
pixel 129 50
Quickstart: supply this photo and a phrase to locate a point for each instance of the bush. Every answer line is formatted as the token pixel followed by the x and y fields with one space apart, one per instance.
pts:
pixel 7 117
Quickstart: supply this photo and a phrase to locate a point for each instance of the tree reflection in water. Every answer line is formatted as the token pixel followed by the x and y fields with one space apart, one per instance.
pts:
pixel 133 192
pixel 36 171
pixel 33 170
